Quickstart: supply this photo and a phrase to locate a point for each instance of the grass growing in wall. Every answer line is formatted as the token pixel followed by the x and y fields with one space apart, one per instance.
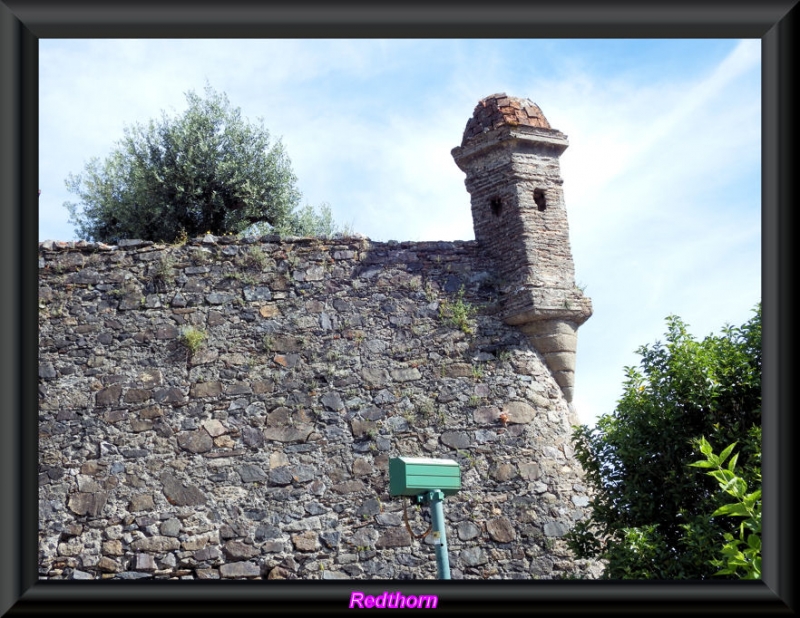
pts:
pixel 458 313
pixel 255 258
pixel 162 273
pixel 192 339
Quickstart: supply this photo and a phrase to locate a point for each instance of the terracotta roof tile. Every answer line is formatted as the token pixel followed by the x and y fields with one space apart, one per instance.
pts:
pixel 500 109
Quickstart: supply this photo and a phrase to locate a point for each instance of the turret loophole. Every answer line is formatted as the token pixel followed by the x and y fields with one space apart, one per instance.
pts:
pixel 539 198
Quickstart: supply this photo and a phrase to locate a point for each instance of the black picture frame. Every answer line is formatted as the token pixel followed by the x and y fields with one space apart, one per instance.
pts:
pixel 23 23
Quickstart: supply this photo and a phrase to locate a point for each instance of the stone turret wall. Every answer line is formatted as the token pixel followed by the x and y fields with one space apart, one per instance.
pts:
pixel 510 155
pixel 263 452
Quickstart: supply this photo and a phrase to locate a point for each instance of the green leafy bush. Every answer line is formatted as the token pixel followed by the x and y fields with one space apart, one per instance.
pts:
pixel 649 510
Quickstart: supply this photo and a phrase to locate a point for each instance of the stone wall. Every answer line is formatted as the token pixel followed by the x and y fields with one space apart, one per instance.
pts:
pixel 227 409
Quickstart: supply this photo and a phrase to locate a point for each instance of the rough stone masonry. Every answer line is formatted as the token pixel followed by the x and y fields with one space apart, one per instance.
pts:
pixel 226 409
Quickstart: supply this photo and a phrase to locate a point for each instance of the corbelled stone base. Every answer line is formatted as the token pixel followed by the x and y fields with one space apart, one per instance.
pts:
pixel 557 342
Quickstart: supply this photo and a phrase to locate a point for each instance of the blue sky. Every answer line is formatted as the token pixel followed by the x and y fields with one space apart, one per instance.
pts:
pixel 662 178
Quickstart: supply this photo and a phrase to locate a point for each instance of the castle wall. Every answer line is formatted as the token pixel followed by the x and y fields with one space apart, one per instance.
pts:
pixel 264 452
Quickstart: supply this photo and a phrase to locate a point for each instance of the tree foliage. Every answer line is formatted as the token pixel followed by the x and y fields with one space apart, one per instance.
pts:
pixel 741 554
pixel 206 170
pixel 305 221
pixel 653 514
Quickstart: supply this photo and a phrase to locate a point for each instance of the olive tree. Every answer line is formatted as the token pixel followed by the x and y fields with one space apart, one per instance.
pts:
pixel 305 221
pixel 654 516
pixel 205 170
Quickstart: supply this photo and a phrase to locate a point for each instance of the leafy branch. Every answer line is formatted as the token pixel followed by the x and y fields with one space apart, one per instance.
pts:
pixel 742 555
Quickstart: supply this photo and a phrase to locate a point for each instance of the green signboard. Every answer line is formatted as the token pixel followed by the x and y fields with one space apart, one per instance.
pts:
pixel 411 476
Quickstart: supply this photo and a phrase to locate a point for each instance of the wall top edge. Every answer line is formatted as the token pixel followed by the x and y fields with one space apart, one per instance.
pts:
pixel 62 246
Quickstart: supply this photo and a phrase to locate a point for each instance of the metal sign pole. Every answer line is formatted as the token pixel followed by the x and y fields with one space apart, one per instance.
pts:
pixel 435 499
pixel 416 477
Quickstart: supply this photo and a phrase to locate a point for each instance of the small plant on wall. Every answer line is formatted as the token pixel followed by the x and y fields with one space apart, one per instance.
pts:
pixel 255 258
pixel 192 339
pixel 162 273
pixel 458 313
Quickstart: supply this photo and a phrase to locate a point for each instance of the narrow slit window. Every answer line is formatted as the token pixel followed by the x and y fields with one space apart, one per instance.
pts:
pixel 539 198
pixel 497 206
